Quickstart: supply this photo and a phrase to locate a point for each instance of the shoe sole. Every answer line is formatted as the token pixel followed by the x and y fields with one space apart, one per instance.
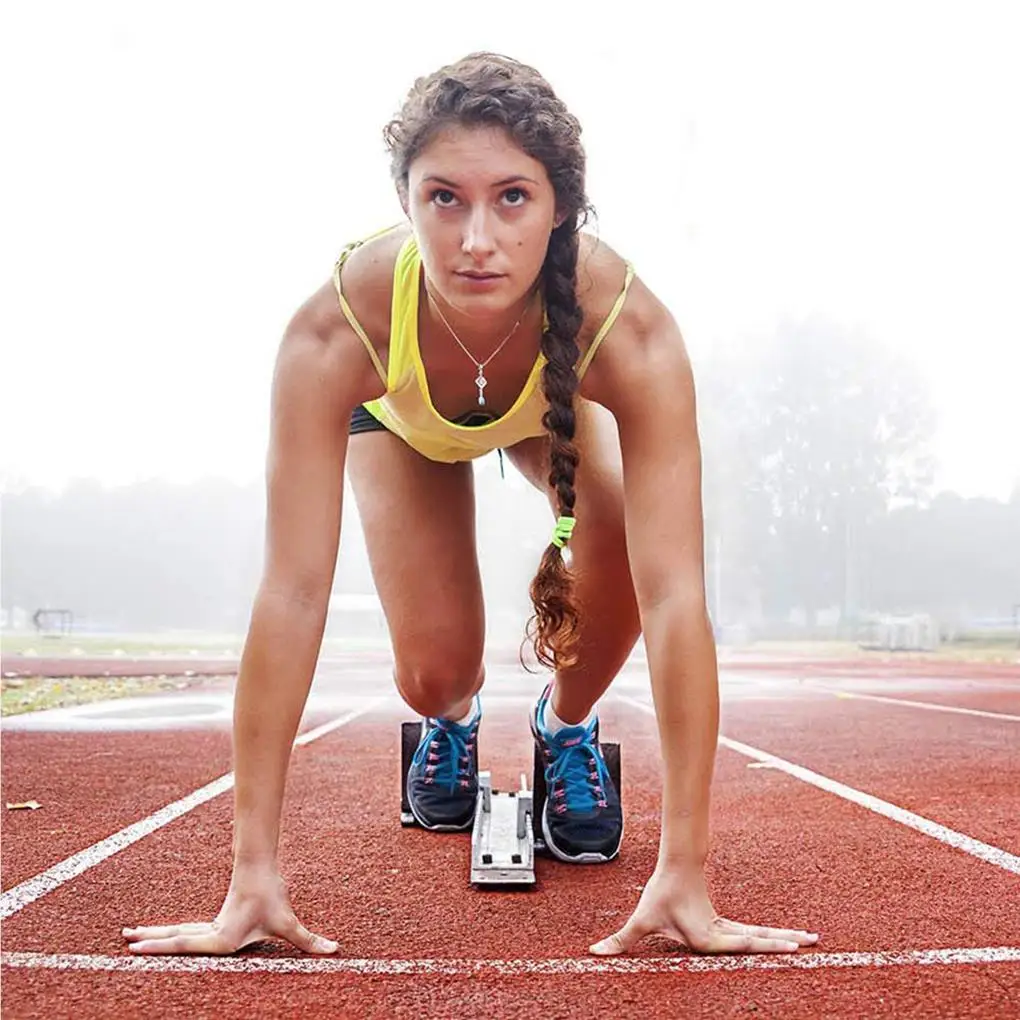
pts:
pixel 442 826
pixel 588 857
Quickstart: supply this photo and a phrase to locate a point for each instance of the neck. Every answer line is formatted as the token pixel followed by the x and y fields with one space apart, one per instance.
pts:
pixel 482 333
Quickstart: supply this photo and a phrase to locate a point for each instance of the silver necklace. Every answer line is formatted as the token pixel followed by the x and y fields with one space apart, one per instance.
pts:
pixel 481 382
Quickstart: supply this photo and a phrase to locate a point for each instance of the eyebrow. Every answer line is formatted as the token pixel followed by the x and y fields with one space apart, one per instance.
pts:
pixel 496 184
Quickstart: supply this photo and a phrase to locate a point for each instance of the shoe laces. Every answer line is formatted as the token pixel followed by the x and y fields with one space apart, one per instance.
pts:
pixel 447 753
pixel 575 772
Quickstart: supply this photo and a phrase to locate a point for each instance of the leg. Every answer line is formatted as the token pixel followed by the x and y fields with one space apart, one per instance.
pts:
pixel 610 621
pixel 419 522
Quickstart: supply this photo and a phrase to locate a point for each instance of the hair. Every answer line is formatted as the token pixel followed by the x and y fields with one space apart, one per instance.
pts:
pixel 489 90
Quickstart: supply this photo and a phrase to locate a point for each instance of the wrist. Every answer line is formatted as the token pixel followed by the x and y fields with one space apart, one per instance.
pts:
pixel 252 859
pixel 684 841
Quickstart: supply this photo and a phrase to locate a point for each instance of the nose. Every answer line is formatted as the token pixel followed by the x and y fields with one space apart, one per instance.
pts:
pixel 479 239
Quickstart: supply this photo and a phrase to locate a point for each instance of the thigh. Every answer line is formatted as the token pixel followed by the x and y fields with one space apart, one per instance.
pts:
pixel 418 518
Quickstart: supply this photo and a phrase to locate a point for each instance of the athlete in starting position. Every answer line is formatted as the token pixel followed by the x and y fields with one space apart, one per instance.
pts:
pixel 487 321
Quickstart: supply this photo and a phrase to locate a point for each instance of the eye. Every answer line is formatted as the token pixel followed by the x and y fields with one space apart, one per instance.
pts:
pixel 443 198
pixel 515 196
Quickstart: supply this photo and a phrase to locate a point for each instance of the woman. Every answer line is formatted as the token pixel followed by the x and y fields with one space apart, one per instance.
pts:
pixel 474 327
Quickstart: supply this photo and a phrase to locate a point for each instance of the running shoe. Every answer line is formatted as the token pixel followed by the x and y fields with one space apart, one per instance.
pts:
pixel 582 819
pixel 442 781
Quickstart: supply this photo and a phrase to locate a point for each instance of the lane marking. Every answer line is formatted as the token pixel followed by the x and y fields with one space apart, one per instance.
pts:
pixel 983 851
pixel 511 968
pixel 928 705
pixel 20 896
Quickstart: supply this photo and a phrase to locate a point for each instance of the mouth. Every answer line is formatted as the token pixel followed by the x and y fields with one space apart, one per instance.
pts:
pixel 471 275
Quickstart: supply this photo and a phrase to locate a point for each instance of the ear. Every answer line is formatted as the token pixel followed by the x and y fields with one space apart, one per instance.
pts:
pixel 402 196
pixel 559 220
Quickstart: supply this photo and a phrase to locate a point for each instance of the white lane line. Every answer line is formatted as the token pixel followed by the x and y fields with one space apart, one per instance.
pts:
pixel 511 968
pixel 984 851
pixel 927 704
pixel 20 896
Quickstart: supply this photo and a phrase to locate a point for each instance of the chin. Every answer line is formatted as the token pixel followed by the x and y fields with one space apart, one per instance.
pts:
pixel 491 298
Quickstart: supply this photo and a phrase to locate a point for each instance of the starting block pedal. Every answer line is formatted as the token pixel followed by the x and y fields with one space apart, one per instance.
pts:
pixel 410 734
pixel 503 840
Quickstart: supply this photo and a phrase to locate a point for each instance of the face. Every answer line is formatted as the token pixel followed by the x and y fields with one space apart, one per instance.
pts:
pixel 482 211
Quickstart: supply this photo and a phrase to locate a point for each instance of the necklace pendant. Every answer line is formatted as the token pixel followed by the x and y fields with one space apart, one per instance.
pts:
pixel 481 382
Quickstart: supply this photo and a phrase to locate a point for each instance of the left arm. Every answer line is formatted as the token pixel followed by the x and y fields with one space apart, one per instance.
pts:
pixel 645 380
pixel 648 385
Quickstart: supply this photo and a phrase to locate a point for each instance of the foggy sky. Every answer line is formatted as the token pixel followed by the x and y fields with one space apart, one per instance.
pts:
pixel 179 179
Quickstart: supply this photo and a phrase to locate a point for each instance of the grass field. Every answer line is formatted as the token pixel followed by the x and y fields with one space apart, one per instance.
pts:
pixel 34 694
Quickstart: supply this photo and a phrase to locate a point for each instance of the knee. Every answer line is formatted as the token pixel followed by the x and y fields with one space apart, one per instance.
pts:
pixel 432 687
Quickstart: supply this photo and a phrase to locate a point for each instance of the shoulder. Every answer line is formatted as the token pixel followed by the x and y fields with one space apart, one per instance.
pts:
pixel 320 345
pixel 644 339
pixel 367 281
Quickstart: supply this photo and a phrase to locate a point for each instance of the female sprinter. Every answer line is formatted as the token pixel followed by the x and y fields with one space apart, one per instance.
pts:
pixel 487 321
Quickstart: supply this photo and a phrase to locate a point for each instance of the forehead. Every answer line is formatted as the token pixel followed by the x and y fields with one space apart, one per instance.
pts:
pixel 459 151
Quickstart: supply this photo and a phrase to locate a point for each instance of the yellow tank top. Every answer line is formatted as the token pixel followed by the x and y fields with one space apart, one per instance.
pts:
pixel 406 408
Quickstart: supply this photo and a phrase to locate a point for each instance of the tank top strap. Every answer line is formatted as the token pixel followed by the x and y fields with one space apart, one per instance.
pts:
pixel 607 325
pixel 346 308
pixel 404 311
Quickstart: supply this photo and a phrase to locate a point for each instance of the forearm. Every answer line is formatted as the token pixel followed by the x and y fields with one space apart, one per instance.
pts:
pixel 273 683
pixel 685 688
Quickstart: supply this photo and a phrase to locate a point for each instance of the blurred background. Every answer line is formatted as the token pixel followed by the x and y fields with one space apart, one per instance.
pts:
pixel 826 198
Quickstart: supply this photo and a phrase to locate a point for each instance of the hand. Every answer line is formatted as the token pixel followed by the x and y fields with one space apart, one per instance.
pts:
pixel 256 907
pixel 675 903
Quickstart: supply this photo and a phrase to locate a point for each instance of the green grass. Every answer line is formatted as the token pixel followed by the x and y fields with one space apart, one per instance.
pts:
pixel 34 694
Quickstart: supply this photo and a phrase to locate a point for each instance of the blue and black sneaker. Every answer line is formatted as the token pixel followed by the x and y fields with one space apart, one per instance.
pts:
pixel 582 820
pixel 442 781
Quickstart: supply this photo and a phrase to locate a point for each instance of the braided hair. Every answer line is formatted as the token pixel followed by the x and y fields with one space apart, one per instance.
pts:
pixel 486 89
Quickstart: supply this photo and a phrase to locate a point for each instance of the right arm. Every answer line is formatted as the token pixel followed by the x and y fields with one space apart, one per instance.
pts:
pixel 322 373
pixel 304 484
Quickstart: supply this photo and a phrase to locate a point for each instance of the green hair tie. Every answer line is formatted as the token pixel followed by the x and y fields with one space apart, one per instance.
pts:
pixel 563 530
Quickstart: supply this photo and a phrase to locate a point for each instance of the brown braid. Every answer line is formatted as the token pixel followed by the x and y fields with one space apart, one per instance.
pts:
pixel 489 89
pixel 553 630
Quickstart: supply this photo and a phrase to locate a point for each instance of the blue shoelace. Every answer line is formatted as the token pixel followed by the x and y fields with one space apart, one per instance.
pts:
pixel 446 752
pixel 585 789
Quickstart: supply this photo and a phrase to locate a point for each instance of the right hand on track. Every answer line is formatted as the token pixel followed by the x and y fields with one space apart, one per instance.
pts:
pixel 256 907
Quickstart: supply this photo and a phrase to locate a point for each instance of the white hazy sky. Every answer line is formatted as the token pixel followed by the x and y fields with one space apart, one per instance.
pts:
pixel 179 177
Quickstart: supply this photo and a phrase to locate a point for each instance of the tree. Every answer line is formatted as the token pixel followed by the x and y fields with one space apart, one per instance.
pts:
pixel 816 431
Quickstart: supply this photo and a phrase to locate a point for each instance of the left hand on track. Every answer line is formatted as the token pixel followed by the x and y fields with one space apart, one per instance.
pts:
pixel 675 903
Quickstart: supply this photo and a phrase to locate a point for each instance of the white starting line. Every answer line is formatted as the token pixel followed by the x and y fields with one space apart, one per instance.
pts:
pixel 511 968
pixel 984 851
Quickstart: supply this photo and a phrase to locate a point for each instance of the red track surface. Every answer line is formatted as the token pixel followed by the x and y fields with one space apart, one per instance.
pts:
pixel 784 853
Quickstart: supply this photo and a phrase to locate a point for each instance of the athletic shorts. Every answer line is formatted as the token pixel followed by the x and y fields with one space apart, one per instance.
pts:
pixel 363 421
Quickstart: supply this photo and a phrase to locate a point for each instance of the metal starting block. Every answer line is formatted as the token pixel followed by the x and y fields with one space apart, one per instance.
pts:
pixel 503 836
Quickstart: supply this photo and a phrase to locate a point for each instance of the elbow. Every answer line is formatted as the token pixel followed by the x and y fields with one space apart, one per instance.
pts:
pixel 308 594
pixel 675 600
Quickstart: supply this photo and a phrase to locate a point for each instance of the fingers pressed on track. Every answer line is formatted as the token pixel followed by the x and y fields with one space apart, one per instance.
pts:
pixel 803 938
pixel 724 942
pixel 212 944
pixel 166 931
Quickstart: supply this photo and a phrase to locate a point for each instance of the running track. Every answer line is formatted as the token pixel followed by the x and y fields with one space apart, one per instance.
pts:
pixel 882 811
